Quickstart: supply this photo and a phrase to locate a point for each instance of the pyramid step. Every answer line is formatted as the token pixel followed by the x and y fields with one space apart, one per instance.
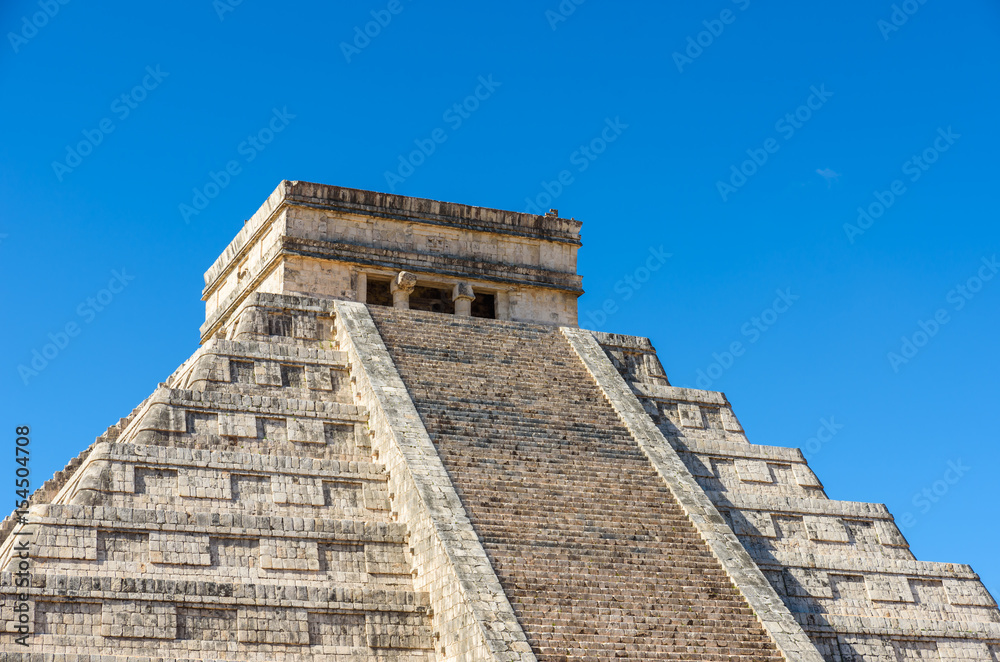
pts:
pixel 577 523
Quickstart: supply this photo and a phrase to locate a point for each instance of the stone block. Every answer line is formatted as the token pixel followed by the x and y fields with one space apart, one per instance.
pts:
pixel 289 554
pixel 690 416
pixel 292 376
pixel 340 437
pixel 67 619
pixel 397 631
pixel 195 483
pixel 297 490
pixel 335 629
pixel 164 418
pixel 376 496
pixel 179 548
pixel 968 593
pixel 888 588
pixel 238 425
pixel 318 378
pixel 698 466
pixel 202 423
pixel 807 582
pixel 825 529
pixel 139 620
pixel 888 533
pixel 242 372
pixel 206 624
pixel 952 650
pixel 275 626
pixel 729 421
pixel 65 542
pixel 271 429
pixel 122 478
pixel 304 327
pixel 753 523
pixel 753 471
pixel 305 430
pixel 804 476
pixel 267 373
pixel 386 559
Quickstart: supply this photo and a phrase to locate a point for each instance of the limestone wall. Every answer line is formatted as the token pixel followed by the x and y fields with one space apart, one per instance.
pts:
pixel 842 567
pixel 323 241
pixel 237 515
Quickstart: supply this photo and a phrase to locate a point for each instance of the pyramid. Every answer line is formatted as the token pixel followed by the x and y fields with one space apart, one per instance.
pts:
pixel 394 443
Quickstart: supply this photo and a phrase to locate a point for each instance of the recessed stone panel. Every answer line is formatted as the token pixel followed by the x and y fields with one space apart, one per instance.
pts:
pixel 69 619
pixel 289 554
pixel 280 626
pixel 297 490
pixel 65 542
pixel 139 620
pixel 169 548
pixel 206 624
pixel 115 546
pixel 195 483
pixel 888 588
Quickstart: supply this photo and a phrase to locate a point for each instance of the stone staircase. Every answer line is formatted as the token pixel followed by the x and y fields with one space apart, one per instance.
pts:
pixel 274 500
pixel 597 558
pixel 842 568
pixel 237 515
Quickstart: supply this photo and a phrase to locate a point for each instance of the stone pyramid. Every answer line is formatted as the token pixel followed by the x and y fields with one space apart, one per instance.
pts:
pixel 394 443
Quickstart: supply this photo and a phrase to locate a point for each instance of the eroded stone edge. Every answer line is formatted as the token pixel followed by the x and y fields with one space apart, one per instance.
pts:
pixel 465 592
pixel 772 613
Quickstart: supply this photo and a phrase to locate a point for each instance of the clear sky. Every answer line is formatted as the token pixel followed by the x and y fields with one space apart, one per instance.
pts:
pixel 741 138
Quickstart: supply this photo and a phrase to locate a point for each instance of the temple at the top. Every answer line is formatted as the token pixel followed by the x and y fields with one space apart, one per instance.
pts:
pixel 394 444
pixel 340 243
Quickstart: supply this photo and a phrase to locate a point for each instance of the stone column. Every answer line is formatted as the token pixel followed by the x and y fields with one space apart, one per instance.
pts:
pixel 401 287
pixel 360 287
pixel 463 295
pixel 503 305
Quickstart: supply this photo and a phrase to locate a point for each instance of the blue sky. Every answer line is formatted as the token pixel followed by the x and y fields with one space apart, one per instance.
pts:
pixel 823 108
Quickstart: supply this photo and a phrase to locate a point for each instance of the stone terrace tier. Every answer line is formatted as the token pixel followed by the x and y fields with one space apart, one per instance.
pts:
pixel 236 515
pixel 598 559
pixel 842 567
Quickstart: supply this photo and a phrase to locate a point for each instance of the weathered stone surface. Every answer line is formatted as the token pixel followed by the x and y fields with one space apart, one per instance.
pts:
pixel 333 242
pixel 599 559
pixel 329 478
pixel 842 568
pixel 237 515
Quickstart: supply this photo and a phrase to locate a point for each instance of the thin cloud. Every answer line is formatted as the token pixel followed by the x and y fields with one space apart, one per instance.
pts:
pixel 829 175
